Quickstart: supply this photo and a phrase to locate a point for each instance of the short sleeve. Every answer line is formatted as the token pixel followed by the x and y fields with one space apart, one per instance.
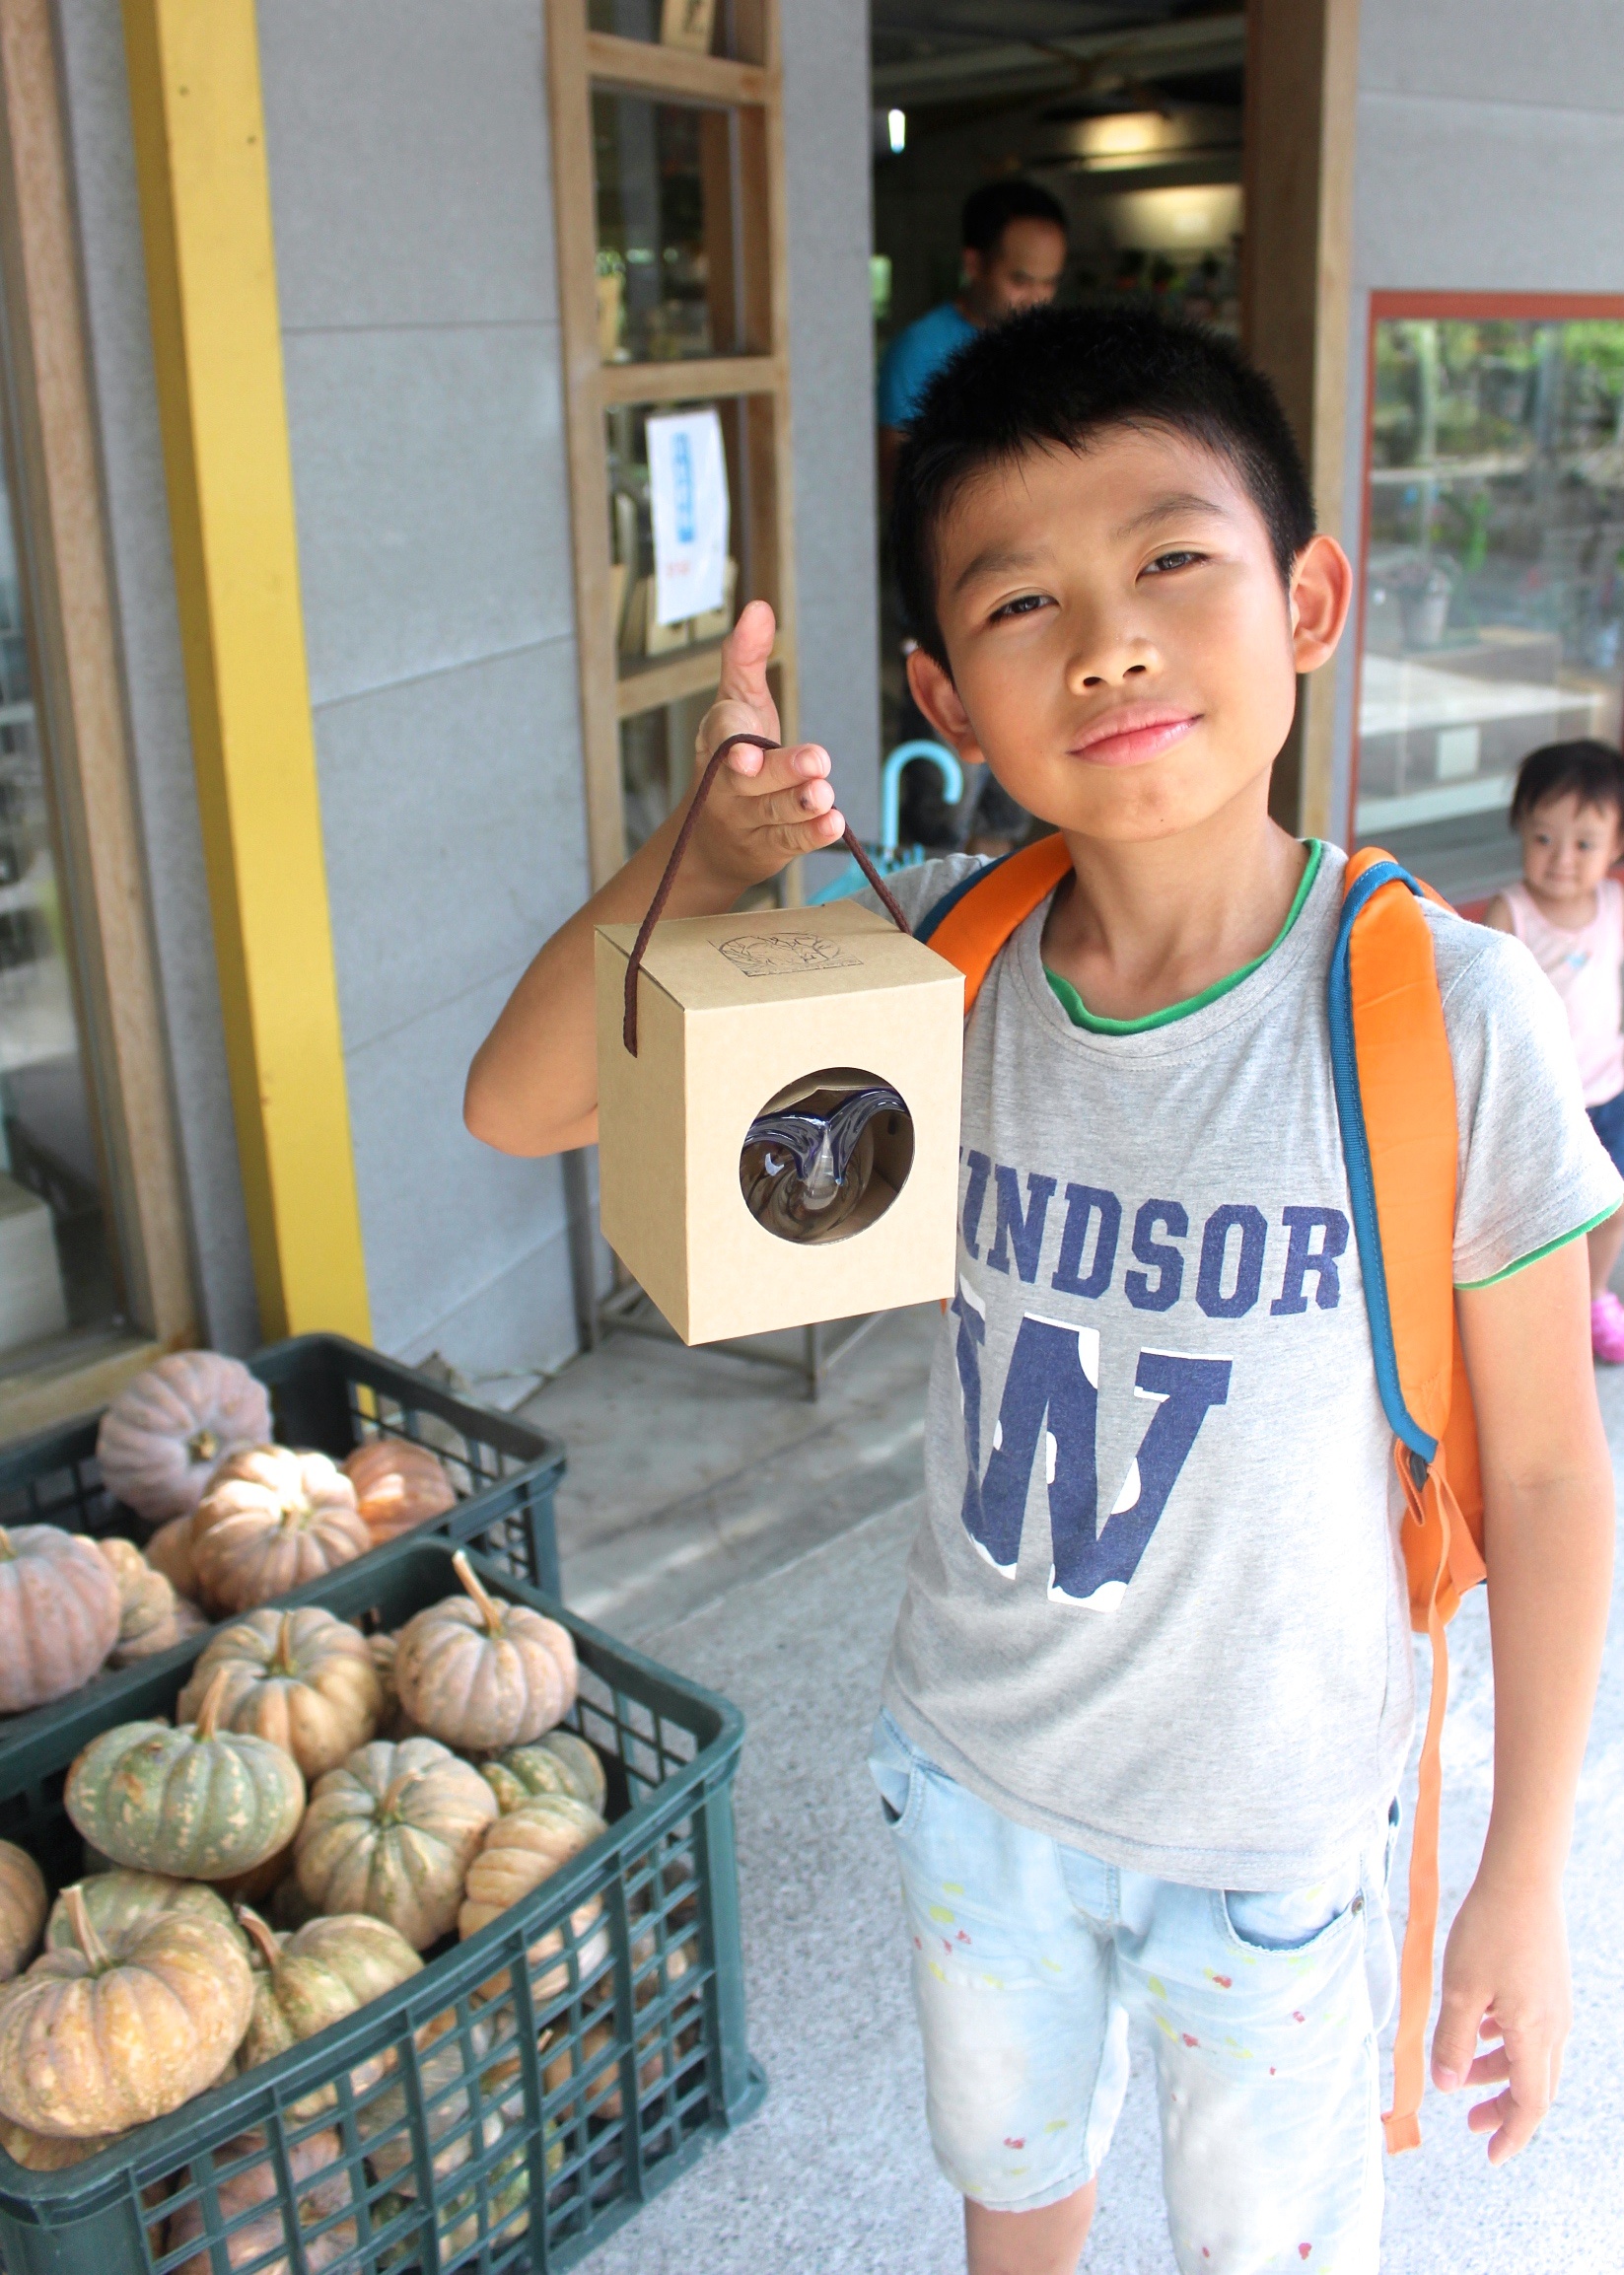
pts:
pixel 1533 1172
pixel 917 891
pixel 898 384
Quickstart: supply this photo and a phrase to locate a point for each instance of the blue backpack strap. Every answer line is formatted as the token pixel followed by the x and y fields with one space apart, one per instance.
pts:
pixel 954 893
pixel 1356 1152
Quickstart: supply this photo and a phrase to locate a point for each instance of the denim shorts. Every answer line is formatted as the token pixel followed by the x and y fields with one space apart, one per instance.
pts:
pixel 1030 1958
pixel 1607 1122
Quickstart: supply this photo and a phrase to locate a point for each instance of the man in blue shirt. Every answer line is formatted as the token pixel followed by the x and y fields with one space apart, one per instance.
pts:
pixel 1013 239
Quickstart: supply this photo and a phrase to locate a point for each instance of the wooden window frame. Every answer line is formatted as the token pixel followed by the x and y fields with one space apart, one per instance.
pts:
pixel 581 62
pixel 62 557
pixel 1444 306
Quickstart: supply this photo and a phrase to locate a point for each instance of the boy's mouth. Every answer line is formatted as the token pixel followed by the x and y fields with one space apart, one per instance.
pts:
pixel 1133 733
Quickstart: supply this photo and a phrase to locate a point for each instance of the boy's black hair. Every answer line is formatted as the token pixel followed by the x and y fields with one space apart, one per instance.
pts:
pixel 989 210
pixel 1593 772
pixel 1058 376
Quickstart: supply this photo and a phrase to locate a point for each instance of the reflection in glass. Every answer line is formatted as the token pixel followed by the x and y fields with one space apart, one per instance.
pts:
pixel 664 264
pixel 55 1260
pixel 639 636
pixel 1493 580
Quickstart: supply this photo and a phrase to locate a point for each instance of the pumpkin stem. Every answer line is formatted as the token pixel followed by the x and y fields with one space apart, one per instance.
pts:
pixel 253 1927
pixel 282 1660
pixel 202 1444
pixel 489 1610
pixel 84 1934
pixel 208 1714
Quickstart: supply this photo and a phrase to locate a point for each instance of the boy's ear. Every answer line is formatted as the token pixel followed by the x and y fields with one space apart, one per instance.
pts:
pixel 1321 594
pixel 938 697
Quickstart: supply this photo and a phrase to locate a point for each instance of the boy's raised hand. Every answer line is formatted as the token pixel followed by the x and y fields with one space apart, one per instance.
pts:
pixel 765 807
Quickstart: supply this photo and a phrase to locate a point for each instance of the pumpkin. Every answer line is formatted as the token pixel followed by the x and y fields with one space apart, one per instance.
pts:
pixel 170 1551
pixel 481 1674
pixel 253 2215
pixel 458 2221
pixel 117 1902
pixel 270 1521
pixel 304 1680
pixel 328 1970
pixel 518 1852
pixel 560 1763
pixel 22 1905
pixel 163 1434
pixel 446 2058
pixel 59 1614
pixel 152 1617
pixel 196 1800
pixel 392 1834
pixel 106 2033
pixel 47 2152
pixel 397 1484
pixel 259 1883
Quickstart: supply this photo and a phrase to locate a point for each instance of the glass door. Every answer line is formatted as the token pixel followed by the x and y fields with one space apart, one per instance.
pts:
pixel 1493 602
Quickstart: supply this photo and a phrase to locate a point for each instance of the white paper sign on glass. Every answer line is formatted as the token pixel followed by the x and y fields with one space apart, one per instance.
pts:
pixel 688 500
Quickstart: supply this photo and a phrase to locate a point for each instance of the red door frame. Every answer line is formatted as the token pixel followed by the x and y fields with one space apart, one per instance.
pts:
pixel 1479 307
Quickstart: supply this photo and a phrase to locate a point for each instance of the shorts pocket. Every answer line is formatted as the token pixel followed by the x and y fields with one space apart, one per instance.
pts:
pixel 898 1772
pixel 1294 1922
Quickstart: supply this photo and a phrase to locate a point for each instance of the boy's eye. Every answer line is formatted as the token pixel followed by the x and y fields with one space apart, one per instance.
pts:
pixel 1179 557
pixel 1023 607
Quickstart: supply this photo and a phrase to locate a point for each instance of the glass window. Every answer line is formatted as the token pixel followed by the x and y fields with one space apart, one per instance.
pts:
pixel 641 639
pixel 667 276
pixel 57 1254
pixel 702 27
pixel 1494 577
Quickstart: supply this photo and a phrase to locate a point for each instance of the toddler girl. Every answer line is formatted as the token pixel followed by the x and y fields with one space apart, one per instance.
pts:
pixel 1568 808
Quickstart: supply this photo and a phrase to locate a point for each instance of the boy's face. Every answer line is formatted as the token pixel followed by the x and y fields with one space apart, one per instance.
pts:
pixel 1124 654
pixel 1569 848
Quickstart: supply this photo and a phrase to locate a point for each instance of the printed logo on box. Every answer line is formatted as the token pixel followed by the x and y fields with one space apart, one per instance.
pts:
pixel 784 955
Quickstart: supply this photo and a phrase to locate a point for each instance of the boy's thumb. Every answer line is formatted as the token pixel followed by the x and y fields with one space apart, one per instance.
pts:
pixel 1455 2041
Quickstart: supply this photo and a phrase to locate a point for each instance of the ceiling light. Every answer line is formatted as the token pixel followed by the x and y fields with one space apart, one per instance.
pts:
pixel 897 126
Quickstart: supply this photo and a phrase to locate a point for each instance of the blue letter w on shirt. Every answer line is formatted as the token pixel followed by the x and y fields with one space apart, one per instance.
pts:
pixel 1051 1402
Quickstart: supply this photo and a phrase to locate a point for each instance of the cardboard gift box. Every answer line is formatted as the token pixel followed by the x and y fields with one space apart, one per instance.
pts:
pixel 737 1015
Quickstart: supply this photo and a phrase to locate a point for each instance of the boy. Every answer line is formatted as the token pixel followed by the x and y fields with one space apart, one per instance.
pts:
pixel 1150 1696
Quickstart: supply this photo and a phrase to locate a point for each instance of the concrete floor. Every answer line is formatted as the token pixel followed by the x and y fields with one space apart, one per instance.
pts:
pixel 772 1572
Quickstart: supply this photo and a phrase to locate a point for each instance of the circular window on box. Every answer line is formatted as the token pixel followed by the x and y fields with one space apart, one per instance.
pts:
pixel 826 1155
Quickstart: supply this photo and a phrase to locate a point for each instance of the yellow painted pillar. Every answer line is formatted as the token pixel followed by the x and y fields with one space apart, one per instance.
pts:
pixel 211 280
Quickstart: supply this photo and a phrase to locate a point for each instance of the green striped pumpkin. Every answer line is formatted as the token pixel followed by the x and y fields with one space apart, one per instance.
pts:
pixel 195 1802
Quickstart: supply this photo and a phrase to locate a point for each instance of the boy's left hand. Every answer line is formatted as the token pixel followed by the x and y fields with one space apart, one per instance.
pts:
pixel 1506 1978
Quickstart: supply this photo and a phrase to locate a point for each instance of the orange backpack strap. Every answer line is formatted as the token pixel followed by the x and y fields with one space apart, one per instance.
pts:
pixel 970 924
pixel 1395 1100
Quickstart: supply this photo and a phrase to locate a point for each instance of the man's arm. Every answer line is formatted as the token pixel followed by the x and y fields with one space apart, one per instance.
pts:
pixel 1548 1535
pixel 533 1086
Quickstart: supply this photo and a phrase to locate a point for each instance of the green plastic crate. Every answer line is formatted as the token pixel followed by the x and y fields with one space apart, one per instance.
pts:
pixel 331 1394
pixel 561 2089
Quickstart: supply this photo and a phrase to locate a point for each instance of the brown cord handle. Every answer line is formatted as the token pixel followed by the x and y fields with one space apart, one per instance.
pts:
pixel 662 890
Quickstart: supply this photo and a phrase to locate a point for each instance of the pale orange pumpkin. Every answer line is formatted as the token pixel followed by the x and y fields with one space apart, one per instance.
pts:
pixel 59 1614
pixel 152 1617
pixel 22 1908
pixel 397 1484
pixel 170 1551
pixel 304 1680
pixel 482 1675
pixel 253 2216
pixel 162 1437
pixel 270 1521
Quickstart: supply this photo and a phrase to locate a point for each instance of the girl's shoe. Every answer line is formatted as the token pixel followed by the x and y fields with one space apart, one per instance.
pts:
pixel 1607 1328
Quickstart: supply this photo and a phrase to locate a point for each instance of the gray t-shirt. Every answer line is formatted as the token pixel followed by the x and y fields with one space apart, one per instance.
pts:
pixel 1156 1605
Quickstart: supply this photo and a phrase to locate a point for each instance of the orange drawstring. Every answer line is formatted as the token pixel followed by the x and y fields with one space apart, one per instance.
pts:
pixel 1431 1505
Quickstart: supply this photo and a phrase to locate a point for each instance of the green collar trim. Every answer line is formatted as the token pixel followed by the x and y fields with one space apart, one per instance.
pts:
pixel 1078 1012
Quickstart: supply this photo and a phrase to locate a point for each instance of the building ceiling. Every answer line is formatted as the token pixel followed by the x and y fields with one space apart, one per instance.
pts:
pixel 930 52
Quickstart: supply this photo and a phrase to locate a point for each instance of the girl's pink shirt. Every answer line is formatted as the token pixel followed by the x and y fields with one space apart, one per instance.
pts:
pixel 1584 970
